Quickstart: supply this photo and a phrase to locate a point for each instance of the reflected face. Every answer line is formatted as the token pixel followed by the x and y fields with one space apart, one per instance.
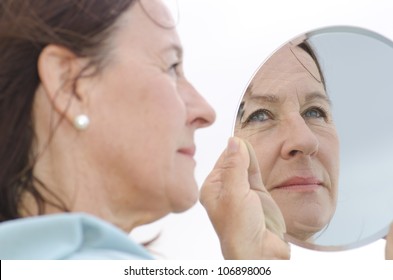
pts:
pixel 144 115
pixel 286 116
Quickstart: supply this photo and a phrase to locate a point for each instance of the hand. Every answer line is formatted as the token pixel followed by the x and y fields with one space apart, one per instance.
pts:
pixel 245 217
pixel 389 244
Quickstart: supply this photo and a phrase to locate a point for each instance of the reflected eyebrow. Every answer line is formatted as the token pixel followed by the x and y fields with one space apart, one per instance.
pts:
pixel 316 95
pixel 267 98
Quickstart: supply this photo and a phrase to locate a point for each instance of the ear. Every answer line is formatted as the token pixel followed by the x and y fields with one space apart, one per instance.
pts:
pixel 59 69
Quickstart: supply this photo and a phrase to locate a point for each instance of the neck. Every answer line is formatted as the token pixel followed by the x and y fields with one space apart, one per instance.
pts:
pixel 71 181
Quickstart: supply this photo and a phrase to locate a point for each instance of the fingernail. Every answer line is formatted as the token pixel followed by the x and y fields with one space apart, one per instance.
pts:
pixel 233 145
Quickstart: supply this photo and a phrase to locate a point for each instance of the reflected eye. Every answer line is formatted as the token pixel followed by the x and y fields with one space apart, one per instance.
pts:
pixel 315 113
pixel 260 115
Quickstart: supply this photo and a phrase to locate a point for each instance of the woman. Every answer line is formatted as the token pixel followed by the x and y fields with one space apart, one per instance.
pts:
pixel 286 116
pixel 97 125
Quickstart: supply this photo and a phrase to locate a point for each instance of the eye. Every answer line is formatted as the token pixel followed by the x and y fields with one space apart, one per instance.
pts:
pixel 260 115
pixel 174 70
pixel 315 113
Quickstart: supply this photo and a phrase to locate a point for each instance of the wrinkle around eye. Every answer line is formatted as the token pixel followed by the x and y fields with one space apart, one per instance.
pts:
pixel 320 113
pixel 258 116
pixel 254 130
pixel 173 70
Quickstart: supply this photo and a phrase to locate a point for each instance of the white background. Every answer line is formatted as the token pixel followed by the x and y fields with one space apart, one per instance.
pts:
pixel 225 42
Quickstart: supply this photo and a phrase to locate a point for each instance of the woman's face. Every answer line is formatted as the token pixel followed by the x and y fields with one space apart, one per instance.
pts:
pixel 144 114
pixel 287 118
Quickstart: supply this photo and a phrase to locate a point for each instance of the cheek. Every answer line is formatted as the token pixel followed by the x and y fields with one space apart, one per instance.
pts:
pixel 134 123
pixel 329 154
pixel 268 152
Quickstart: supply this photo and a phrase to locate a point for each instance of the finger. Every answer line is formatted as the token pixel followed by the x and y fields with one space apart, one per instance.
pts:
pixel 234 167
pixel 235 209
pixel 211 187
pixel 389 244
pixel 229 175
pixel 226 193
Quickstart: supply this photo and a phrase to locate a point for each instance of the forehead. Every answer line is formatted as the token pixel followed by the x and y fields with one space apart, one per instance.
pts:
pixel 289 67
pixel 147 24
pixel 158 12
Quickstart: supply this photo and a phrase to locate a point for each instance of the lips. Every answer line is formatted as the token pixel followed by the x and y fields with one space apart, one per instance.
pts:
pixel 300 184
pixel 188 151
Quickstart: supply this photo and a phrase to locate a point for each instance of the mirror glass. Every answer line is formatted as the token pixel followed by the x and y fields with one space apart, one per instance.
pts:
pixel 318 113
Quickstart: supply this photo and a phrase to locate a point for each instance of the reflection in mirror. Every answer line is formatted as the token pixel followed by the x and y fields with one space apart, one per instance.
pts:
pixel 316 114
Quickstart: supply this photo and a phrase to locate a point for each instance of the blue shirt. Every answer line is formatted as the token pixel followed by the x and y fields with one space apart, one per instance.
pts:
pixel 66 236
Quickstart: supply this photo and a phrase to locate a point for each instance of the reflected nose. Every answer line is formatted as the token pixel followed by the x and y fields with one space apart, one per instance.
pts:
pixel 299 139
pixel 199 113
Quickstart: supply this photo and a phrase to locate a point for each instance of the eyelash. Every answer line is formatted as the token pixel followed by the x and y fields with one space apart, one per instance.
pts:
pixel 254 114
pixel 320 109
pixel 174 68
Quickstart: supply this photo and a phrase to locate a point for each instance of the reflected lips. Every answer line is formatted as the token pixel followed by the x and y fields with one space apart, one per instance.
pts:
pixel 300 184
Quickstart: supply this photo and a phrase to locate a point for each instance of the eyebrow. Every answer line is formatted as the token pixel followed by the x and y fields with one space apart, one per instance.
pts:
pixel 316 95
pixel 174 47
pixel 268 98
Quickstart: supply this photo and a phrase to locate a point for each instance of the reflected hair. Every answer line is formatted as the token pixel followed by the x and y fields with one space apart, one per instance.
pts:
pixel 306 47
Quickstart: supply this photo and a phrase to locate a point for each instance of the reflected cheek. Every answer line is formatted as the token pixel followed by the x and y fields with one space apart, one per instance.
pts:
pixel 330 159
pixel 267 153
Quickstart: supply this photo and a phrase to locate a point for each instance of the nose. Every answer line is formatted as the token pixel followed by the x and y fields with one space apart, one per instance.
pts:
pixel 199 113
pixel 299 139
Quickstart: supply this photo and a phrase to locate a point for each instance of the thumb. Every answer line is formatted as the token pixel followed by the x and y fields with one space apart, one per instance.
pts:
pixel 229 177
pixel 226 193
pixel 234 206
pixel 235 167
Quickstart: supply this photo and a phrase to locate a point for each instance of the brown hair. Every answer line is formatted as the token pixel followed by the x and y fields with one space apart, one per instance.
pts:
pixel 26 27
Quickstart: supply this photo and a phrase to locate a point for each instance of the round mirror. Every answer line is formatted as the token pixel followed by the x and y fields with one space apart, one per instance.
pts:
pixel 317 113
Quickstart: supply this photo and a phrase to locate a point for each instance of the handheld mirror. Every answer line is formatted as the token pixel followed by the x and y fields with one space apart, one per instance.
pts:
pixel 318 113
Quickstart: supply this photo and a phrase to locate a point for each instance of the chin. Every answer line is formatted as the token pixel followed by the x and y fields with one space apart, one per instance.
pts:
pixel 184 207
pixel 303 230
pixel 184 199
pixel 304 224
pixel 305 214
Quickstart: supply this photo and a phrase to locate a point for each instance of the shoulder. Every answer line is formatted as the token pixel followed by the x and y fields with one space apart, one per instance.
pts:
pixel 66 236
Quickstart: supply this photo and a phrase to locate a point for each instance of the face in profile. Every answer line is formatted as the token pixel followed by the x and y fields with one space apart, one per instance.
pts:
pixel 286 115
pixel 144 115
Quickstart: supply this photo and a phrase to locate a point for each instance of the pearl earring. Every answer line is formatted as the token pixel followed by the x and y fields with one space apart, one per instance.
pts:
pixel 81 122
